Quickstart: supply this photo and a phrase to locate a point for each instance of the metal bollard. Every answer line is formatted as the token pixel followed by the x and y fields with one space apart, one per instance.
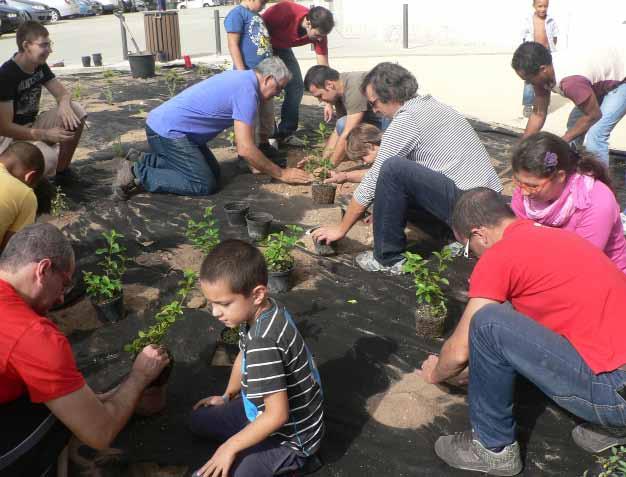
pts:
pixel 405 25
pixel 218 33
pixel 124 39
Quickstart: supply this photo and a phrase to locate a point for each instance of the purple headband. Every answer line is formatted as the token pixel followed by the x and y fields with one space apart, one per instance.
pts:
pixel 550 160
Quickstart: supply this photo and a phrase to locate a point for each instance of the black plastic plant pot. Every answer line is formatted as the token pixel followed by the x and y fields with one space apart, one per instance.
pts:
pixel 110 311
pixel 142 65
pixel 232 349
pixel 236 213
pixel 86 61
pixel 323 249
pixel 279 282
pixel 429 321
pixel 323 193
pixel 97 59
pixel 258 225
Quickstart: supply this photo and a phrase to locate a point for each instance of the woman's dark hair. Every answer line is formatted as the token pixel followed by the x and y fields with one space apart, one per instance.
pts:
pixel 530 57
pixel 321 19
pixel 391 82
pixel 544 153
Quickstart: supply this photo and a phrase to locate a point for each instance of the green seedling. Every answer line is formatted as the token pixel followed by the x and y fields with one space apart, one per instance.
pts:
pixel 231 336
pixel 109 75
pixel 319 166
pixel 613 465
pixel 77 92
pixel 428 278
pixel 278 247
pixel 118 147
pixel 203 70
pixel 204 234
pixel 165 317
pixel 323 131
pixel 59 204
pixel 108 94
pixel 231 138
pixel 172 80
pixel 108 284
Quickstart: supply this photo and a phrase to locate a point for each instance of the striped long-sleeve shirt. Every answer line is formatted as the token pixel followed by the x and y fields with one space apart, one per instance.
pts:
pixel 436 136
pixel 276 358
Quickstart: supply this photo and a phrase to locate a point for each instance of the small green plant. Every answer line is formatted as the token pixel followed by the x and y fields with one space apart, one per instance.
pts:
pixel 323 131
pixel 77 92
pixel 109 75
pixel 108 285
pixel 172 80
pixel 108 94
pixel 319 166
pixel 165 317
pixel 231 335
pixel 204 234
pixel 613 465
pixel 281 96
pixel 203 70
pixel 428 279
pixel 108 90
pixel 59 203
pixel 278 247
pixel 118 147
pixel 231 138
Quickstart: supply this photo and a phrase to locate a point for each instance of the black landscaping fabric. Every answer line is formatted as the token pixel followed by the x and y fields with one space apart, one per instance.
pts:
pixel 361 348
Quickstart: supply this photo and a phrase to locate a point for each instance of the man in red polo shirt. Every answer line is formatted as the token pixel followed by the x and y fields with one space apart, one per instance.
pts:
pixel 291 25
pixel 43 396
pixel 563 330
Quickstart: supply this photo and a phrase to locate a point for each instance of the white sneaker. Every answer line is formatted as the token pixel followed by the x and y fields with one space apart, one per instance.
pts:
pixel 368 262
pixel 623 217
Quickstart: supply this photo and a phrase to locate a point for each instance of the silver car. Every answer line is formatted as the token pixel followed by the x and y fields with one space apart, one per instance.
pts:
pixel 62 9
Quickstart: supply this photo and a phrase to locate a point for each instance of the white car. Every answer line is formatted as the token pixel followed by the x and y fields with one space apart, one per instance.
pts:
pixel 197 4
pixel 62 9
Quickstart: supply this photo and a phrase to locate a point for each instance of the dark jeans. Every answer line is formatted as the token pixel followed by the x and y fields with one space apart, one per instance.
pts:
pixel 402 185
pixel 504 343
pixel 266 459
pixel 177 166
pixel 290 111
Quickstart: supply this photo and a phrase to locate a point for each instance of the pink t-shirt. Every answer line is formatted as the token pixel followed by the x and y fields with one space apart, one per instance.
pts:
pixel 600 223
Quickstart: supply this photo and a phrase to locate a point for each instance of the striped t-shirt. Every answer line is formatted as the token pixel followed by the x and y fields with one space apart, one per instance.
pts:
pixel 276 358
pixel 435 136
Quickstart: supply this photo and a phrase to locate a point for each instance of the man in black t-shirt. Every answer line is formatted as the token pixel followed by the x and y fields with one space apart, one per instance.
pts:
pixel 56 132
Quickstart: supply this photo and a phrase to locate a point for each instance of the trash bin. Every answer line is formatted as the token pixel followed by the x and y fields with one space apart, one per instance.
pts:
pixel 162 34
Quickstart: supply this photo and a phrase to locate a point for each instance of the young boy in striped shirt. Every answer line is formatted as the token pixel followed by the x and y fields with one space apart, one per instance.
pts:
pixel 270 418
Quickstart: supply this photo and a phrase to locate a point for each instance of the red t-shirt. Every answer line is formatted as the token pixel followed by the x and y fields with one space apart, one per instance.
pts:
pixel 283 22
pixel 563 282
pixel 35 357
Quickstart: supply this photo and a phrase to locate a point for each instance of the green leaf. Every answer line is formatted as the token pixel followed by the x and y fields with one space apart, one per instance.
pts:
pixel 352 302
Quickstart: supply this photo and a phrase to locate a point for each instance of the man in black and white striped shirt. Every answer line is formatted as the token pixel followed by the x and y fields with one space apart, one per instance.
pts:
pixel 277 424
pixel 429 154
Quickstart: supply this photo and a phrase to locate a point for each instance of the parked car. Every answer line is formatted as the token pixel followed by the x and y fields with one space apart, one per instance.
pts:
pixel 30 10
pixel 10 18
pixel 62 9
pixel 134 6
pixel 197 4
pixel 89 8
pixel 109 6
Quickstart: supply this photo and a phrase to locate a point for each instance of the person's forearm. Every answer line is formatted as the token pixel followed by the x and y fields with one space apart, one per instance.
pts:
pixel 65 99
pixel 256 159
pixel 122 404
pixel 580 128
pixel 339 151
pixel 255 432
pixel 234 382
pixel 354 212
pixel 23 133
pixel 356 176
pixel 235 53
pixel 534 125
pixel 448 365
pixel 322 60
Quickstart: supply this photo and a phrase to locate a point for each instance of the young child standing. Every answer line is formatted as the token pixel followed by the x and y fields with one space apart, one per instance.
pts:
pixel 542 28
pixel 270 418
pixel 249 44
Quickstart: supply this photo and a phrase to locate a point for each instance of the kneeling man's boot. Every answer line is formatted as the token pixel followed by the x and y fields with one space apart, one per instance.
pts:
pixel 464 451
pixel 595 439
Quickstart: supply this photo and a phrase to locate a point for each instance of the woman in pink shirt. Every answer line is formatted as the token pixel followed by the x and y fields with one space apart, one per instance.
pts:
pixel 562 188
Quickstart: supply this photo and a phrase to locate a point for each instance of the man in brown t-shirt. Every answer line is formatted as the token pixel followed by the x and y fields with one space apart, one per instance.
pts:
pixel 343 91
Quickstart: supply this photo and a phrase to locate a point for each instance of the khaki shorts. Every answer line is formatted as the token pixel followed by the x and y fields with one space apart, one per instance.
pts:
pixel 46 120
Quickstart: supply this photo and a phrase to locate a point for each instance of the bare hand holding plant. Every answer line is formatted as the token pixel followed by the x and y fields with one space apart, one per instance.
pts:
pixel 150 362
pixel 292 175
pixel 336 177
pixel 209 401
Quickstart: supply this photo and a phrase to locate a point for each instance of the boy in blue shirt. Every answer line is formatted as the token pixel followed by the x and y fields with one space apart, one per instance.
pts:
pixel 270 419
pixel 249 44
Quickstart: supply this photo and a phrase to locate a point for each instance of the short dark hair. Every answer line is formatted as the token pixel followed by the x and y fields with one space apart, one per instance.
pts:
pixel 479 207
pixel 34 243
pixel 28 155
pixel 321 19
pixel 29 31
pixel 391 82
pixel 530 57
pixel 318 75
pixel 238 263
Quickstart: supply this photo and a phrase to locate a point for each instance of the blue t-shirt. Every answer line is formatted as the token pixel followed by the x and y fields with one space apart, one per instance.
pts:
pixel 205 109
pixel 254 42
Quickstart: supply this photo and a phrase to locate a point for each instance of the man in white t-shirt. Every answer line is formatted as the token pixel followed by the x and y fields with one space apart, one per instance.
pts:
pixel 595 80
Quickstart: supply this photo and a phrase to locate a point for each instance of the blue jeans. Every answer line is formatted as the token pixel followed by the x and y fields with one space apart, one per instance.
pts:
pixel 177 166
pixel 290 110
pixel 528 98
pixel 613 109
pixel 378 121
pixel 266 459
pixel 402 185
pixel 504 343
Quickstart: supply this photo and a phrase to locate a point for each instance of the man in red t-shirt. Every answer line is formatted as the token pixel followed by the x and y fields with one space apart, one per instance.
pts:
pixel 563 330
pixel 291 25
pixel 42 393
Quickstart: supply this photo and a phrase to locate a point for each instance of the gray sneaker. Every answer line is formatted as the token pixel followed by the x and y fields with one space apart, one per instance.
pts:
pixel 462 451
pixel 124 181
pixel 595 439
pixel 133 155
pixel 368 262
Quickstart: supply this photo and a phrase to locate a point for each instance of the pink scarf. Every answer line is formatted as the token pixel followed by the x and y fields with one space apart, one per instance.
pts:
pixel 575 196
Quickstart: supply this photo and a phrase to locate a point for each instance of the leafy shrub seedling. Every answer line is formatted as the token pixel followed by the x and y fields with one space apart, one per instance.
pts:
pixel 77 93
pixel 118 147
pixel 319 166
pixel 231 138
pixel 231 335
pixel 204 234
pixel 166 316
pixel 108 285
pixel 323 131
pixel 613 465
pixel 278 247
pixel 172 79
pixel 428 281
pixel 59 203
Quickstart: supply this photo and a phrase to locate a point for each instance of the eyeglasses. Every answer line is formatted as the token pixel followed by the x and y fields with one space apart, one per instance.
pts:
pixel 45 44
pixel 532 189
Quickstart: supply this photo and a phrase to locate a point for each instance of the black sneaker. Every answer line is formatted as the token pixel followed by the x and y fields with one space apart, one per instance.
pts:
pixel 595 439
pixel 462 451
pixel 267 149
